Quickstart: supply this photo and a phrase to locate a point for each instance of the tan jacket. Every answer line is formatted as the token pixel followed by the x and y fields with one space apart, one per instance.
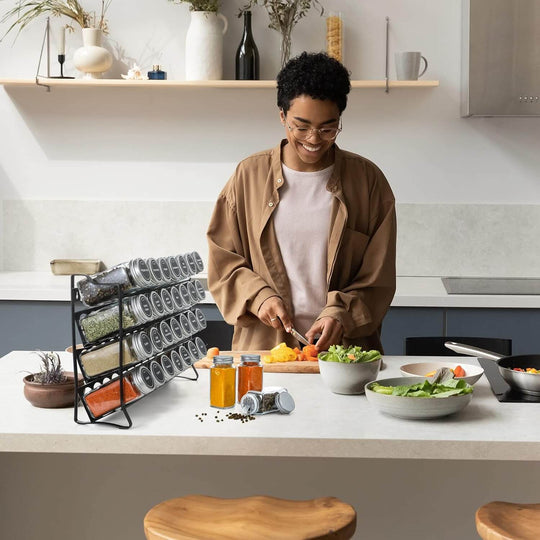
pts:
pixel 245 265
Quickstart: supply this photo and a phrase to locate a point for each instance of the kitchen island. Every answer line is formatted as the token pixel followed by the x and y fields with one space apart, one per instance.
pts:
pixel 403 477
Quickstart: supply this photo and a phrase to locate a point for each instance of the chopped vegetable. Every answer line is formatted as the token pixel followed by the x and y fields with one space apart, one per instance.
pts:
pixel 425 389
pixel 349 355
pixel 458 371
pixel 310 353
pixel 528 370
pixel 280 353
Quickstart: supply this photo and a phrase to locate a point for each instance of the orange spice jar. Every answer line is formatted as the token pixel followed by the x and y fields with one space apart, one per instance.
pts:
pixel 250 374
pixel 107 397
pixel 222 382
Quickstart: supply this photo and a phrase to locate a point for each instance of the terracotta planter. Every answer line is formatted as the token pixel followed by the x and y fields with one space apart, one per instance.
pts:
pixel 50 396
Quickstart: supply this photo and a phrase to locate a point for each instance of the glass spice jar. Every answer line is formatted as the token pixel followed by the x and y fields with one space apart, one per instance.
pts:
pixel 334 36
pixel 155 271
pixel 184 269
pixel 192 265
pixel 143 379
pixel 198 261
pixel 193 294
pixel 193 351
pixel 201 319
pixel 184 293
pixel 139 272
pixel 222 382
pixel 157 372
pixel 176 360
pixel 185 356
pixel 156 339
pixel 250 374
pixel 157 304
pixel 166 334
pixel 177 298
pixel 107 397
pixel 177 332
pixel 184 323
pixel 269 400
pixel 168 366
pixel 167 301
pixel 166 274
pixel 201 348
pixel 201 293
pixel 193 322
pixel 176 273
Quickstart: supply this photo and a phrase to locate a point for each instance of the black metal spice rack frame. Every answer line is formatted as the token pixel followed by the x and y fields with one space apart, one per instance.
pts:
pixel 90 381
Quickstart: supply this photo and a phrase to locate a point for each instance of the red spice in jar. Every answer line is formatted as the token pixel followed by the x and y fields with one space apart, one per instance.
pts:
pixel 107 397
pixel 250 374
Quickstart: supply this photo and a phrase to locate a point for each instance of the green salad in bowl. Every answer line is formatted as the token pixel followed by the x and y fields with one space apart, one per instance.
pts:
pixel 348 355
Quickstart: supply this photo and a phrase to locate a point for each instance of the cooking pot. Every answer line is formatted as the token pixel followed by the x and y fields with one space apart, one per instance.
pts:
pixel 528 383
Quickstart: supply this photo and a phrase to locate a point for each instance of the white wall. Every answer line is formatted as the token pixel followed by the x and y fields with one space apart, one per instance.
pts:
pixel 181 145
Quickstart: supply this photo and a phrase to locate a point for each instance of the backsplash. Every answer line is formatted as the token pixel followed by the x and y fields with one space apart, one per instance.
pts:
pixel 433 239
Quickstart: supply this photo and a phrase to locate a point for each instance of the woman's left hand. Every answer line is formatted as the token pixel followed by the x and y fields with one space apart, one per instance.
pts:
pixel 331 332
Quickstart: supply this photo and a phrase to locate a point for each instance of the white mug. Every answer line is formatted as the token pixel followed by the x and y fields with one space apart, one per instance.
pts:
pixel 408 65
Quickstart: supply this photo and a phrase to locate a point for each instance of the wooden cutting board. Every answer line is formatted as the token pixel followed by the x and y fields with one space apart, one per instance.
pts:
pixel 276 367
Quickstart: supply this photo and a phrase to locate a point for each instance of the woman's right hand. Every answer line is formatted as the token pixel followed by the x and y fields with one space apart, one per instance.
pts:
pixel 273 313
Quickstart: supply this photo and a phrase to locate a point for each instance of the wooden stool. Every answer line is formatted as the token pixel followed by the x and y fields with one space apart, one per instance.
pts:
pixel 249 518
pixel 508 521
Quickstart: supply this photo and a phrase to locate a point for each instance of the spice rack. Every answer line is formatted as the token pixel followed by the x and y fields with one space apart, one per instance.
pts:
pixel 134 377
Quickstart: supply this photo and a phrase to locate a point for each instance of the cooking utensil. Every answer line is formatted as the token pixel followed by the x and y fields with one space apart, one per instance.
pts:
pixel 299 337
pixel 528 383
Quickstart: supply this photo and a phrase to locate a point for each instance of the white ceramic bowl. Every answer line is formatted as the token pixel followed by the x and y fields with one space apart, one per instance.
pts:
pixel 420 369
pixel 414 407
pixel 343 378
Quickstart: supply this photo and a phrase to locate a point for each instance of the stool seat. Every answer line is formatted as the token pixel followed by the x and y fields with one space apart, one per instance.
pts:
pixel 508 521
pixel 258 517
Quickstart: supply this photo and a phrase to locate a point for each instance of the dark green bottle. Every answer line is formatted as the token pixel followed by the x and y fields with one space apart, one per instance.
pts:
pixel 247 55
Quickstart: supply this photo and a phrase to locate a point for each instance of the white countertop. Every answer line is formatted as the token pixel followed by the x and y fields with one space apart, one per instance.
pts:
pixel 410 292
pixel 323 424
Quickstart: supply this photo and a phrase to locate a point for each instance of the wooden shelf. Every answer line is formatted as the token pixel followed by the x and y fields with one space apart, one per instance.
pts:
pixel 86 83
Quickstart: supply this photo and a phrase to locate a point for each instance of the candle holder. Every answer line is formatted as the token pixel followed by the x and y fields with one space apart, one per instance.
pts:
pixel 61 60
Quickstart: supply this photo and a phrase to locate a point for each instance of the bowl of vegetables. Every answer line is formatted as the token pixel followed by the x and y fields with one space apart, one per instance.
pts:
pixel 467 372
pixel 418 397
pixel 346 370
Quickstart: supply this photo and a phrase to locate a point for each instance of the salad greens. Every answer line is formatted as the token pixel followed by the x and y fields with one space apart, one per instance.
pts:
pixel 349 355
pixel 425 389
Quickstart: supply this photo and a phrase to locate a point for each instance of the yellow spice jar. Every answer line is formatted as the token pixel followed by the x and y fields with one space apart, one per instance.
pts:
pixel 222 382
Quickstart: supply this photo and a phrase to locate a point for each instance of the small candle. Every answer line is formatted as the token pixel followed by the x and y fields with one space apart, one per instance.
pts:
pixel 62 40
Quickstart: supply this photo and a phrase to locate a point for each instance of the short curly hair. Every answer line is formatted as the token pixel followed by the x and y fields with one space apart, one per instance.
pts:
pixel 316 75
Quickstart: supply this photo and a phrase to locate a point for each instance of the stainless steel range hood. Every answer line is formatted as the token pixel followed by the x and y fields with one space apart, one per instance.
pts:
pixel 501 58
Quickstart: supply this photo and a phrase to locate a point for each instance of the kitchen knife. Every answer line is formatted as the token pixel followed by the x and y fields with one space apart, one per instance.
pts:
pixel 299 337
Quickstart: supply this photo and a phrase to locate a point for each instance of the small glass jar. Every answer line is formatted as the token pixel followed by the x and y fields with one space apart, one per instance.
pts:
pixel 193 351
pixel 269 400
pixel 193 322
pixel 157 372
pixel 104 285
pixel 201 348
pixel 166 274
pixel 193 294
pixel 184 269
pixel 107 397
pixel 166 334
pixel 201 293
pixel 334 35
pixel 192 265
pixel 139 273
pixel 168 367
pixel 175 268
pixel 222 382
pixel 156 339
pixel 177 298
pixel 201 319
pixel 184 293
pixel 184 323
pixel 198 261
pixel 176 360
pixel 143 379
pixel 185 356
pixel 176 328
pixel 250 374
pixel 155 271
pixel 167 300
pixel 157 304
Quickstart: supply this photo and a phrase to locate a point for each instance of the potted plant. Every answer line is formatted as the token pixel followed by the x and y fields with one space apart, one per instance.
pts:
pixel 204 40
pixel 284 14
pixel 52 387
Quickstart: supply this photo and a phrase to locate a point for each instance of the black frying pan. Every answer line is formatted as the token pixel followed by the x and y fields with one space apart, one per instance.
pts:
pixel 528 383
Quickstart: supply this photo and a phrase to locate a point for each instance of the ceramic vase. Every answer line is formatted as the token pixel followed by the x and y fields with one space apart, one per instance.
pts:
pixel 91 58
pixel 204 46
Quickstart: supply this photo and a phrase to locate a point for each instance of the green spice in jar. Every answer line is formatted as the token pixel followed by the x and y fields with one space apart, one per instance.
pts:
pixel 103 322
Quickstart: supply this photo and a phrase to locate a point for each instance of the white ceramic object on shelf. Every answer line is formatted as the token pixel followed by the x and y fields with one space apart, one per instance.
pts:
pixel 92 59
pixel 204 46
pixel 344 378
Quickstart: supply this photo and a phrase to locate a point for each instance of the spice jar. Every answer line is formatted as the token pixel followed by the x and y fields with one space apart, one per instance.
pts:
pixel 157 372
pixel 201 348
pixel 184 323
pixel 166 274
pixel 250 374
pixel 184 269
pixel 168 367
pixel 167 301
pixel 184 293
pixel 269 400
pixel 155 271
pixel 198 261
pixel 156 339
pixel 177 298
pixel 99 360
pixel 201 293
pixel 193 322
pixel 222 382
pixel 185 356
pixel 104 285
pixel 177 362
pixel 178 335
pixel 107 397
pixel 143 379
pixel 139 272
pixel 193 351
pixel 201 319
pixel 157 304
pixel 166 334
pixel 175 268
pixel 192 291
pixel 102 322
pixel 334 36
pixel 192 265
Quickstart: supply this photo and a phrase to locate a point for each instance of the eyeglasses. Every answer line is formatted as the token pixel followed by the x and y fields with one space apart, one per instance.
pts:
pixel 303 133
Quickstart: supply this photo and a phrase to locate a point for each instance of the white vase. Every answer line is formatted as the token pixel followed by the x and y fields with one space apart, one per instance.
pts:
pixel 204 46
pixel 91 58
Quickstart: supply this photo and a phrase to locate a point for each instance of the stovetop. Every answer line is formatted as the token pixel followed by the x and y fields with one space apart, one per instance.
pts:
pixel 500 387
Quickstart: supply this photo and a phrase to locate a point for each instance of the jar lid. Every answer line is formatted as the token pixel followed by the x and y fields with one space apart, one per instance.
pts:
pixel 184 293
pixel 176 329
pixel 155 271
pixel 167 365
pixel 184 354
pixel 155 338
pixel 177 362
pixel 140 272
pixel 201 347
pixel 201 319
pixel 223 359
pixel 251 358
pixel 143 379
pixel 192 265
pixel 193 352
pixel 200 290
pixel 142 308
pixel 167 300
pixel 285 402
pixel 165 269
pixel 142 345
pixel 184 269
pixel 157 303
pixel 175 268
pixel 192 291
pixel 184 323
pixel 157 372
pixel 193 322
pixel 177 298
pixel 166 333
pixel 198 261
pixel 249 403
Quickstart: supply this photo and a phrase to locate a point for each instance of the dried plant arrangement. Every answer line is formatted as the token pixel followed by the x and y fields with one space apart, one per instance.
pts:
pixel 51 371
pixel 283 15
pixel 27 10
pixel 199 5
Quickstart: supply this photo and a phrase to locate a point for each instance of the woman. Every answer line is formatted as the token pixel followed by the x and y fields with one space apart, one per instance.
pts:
pixel 304 235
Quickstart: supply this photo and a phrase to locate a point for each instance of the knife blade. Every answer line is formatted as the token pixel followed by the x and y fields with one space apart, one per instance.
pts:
pixel 299 337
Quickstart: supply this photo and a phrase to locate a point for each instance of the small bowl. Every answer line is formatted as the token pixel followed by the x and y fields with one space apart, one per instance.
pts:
pixel 414 408
pixel 420 369
pixel 343 378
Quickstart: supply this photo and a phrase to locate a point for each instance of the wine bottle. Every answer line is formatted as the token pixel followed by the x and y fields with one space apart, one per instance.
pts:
pixel 247 55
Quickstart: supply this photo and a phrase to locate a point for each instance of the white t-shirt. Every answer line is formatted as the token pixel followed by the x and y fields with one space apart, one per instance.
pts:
pixel 301 222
